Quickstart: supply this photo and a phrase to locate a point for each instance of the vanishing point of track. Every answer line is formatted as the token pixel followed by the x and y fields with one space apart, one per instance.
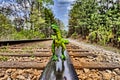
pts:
pixel 25 60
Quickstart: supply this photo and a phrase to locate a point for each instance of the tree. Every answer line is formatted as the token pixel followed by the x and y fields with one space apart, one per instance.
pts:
pixel 6 27
pixel 35 20
pixel 96 20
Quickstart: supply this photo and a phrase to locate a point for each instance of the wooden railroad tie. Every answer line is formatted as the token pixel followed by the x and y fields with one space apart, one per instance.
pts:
pixel 40 65
pixel 45 54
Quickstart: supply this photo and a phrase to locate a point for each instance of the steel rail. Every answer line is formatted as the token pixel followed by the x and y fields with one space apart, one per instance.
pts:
pixel 12 42
pixel 59 70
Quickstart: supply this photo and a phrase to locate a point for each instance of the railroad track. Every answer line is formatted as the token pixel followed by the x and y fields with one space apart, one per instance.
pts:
pixel 26 61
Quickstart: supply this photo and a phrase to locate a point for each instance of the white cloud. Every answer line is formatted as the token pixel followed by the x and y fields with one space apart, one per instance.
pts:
pixel 69 7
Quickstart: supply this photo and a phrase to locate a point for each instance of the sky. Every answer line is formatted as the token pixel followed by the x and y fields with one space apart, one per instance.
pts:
pixel 61 10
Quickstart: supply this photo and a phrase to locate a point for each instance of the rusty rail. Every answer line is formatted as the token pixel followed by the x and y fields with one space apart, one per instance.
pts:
pixel 4 43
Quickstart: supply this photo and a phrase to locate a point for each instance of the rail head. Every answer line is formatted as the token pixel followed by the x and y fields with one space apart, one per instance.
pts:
pixel 12 42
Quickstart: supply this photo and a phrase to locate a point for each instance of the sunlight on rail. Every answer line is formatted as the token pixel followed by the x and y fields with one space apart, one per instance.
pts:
pixel 59 70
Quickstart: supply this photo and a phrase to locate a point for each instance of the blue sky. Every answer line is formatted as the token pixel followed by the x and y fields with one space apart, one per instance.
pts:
pixel 61 10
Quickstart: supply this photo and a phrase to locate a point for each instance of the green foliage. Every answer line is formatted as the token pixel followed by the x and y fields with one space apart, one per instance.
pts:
pixel 118 39
pixel 95 21
pixel 4 49
pixel 35 27
pixel 45 1
pixel 41 19
pixel 3 58
pixel 27 34
pixel 74 35
pixel 36 19
pixel 64 33
pixel 5 26
pixel 92 36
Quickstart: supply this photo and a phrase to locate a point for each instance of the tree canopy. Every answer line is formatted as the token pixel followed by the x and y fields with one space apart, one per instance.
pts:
pixel 96 21
pixel 26 19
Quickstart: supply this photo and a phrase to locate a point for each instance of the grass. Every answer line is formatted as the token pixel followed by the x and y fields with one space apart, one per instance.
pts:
pixel 3 58
pixel 4 49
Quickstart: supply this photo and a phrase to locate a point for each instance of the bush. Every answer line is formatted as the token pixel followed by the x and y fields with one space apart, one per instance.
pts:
pixel 74 35
pixel 27 34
